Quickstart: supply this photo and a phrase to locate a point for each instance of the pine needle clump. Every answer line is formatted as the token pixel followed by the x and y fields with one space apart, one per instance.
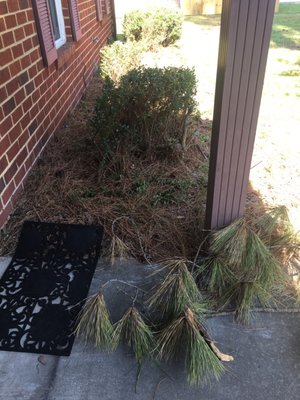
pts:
pixel 133 331
pixel 94 324
pixel 277 231
pixel 182 316
pixel 178 303
pixel 218 275
pixel 231 241
pixel 176 290
pixel 244 267
pixel 118 249
pixel 202 363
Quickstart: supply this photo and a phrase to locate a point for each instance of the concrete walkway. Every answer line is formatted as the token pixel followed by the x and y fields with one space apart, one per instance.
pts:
pixel 266 365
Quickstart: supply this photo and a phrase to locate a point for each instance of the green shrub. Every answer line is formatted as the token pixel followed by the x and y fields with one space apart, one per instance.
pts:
pixel 160 27
pixel 168 24
pixel 133 25
pixel 119 58
pixel 147 109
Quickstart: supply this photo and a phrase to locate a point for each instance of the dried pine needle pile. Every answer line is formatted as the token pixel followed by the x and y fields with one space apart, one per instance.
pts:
pixel 159 205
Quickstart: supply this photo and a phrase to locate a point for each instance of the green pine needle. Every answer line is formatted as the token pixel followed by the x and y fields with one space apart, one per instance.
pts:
pixel 219 275
pixel 246 294
pixel 177 289
pixel 118 249
pixel 259 265
pixel 94 323
pixel 230 241
pixel 202 364
pixel 243 268
pixel 133 331
pixel 276 230
pixel 275 221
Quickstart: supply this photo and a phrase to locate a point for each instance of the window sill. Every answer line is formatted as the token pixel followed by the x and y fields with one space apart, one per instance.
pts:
pixel 64 53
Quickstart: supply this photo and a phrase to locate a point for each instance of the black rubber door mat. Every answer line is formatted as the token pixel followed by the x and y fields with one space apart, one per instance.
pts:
pixel 44 286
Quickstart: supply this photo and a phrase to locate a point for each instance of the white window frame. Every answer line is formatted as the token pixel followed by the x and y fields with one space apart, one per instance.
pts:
pixel 61 25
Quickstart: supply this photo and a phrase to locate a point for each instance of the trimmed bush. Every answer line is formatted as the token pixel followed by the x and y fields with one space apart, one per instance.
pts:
pixel 119 58
pixel 147 109
pixel 168 24
pixel 160 27
pixel 133 25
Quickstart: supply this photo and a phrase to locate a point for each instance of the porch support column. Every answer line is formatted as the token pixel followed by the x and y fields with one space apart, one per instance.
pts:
pixel 246 27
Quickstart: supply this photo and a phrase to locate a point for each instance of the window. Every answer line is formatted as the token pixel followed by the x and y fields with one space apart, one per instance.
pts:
pixel 51 28
pixel 102 5
pixel 58 24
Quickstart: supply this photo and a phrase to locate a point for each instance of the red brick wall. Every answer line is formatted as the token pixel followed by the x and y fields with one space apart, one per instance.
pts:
pixel 34 99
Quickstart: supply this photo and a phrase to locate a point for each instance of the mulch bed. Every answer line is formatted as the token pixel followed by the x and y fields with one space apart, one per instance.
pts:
pixel 155 207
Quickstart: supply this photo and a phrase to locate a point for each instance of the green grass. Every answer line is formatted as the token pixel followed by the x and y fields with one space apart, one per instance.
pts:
pixel 290 72
pixel 286 26
pixel 206 21
pixel 289 8
pixel 120 37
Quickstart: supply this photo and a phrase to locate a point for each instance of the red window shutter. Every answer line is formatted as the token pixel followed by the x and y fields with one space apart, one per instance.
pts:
pixel 99 10
pixel 44 30
pixel 75 22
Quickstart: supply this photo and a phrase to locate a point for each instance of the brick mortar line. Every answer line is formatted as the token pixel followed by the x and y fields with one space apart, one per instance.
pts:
pixel 22 56
pixel 27 171
pixel 105 25
pixel 16 12
pixel 37 87
pixel 91 57
pixel 31 22
pixel 79 74
pixel 92 51
pixel 46 115
pixel 17 42
pixel 26 143
pixel 30 66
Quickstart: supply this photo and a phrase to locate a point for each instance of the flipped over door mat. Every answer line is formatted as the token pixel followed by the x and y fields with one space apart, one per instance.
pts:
pixel 45 285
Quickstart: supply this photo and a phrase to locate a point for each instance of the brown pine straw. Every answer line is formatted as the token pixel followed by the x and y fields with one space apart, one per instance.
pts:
pixel 68 185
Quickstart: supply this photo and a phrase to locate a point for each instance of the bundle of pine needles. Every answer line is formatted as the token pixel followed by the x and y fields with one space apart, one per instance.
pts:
pixel 242 267
pixel 202 358
pixel 231 241
pixel 118 248
pixel 132 330
pixel 276 230
pixel 217 274
pixel 179 298
pixel 176 290
pixel 94 324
